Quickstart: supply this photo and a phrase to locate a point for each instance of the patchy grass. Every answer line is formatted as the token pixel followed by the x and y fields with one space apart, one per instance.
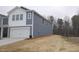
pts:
pixel 74 40
pixel 51 43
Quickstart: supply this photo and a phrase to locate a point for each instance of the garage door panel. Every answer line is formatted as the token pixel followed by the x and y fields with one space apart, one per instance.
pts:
pixel 20 32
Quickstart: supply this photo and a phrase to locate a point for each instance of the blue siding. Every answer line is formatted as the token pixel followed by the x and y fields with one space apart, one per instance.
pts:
pixel 41 28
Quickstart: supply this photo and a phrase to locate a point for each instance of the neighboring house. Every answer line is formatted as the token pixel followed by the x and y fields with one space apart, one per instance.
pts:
pixel 3 26
pixel 27 23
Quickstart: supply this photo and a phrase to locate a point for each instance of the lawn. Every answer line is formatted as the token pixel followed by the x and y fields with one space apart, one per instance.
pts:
pixel 51 43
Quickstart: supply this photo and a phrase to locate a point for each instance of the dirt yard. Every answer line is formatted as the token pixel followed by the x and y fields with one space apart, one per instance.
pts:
pixel 52 43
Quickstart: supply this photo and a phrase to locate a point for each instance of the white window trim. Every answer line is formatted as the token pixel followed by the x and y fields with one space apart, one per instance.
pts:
pixel 29 15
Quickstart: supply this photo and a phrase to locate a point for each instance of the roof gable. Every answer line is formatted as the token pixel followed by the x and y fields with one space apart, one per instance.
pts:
pixel 18 8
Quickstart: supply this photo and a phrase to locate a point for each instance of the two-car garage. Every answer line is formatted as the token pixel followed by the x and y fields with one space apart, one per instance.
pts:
pixel 20 32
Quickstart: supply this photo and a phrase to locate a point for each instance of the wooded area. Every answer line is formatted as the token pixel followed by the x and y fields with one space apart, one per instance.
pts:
pixel 66 26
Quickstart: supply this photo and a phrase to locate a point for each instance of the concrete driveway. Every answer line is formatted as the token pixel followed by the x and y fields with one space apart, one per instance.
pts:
pixel 6 41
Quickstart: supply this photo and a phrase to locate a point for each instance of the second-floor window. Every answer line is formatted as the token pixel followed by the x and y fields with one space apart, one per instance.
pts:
pixel 13 17
pixel 21 16
pixel 29 15
pixel 17 17
pixel 29 18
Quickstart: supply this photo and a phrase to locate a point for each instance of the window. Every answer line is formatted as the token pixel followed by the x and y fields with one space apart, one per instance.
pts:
pixel 29 18
pixel 21 16
pixel 29 15
pixel 13 17
pixel 17 17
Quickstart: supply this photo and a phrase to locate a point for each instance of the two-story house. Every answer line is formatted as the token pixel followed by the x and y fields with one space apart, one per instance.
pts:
pixel 3 26
pixel 27 23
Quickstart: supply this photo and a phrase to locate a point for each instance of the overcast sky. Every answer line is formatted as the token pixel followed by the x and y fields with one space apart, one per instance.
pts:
pixel 56 11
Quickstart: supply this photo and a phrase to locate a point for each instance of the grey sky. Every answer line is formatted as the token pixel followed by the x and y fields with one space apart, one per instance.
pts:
pixel 56 11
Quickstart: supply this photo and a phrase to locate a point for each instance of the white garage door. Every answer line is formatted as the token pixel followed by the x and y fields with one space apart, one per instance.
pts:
pixel 20 32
